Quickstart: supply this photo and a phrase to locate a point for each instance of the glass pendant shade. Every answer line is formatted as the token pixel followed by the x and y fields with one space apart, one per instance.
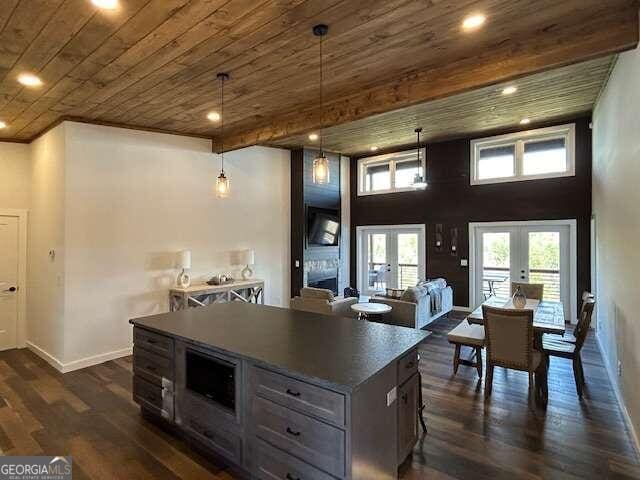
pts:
pixel 222 186
pixel 320 169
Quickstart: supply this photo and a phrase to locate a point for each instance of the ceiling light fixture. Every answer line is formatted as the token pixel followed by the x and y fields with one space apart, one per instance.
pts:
pixel 525 121
pixel 29 80
pixel 321 163
pixel 106 4
pixel 213 116
pixel 313 137
pixel 3 124
pixel 222 182
pixel 374 149
pixel 419 181
pixel 511 89
pixel 473 22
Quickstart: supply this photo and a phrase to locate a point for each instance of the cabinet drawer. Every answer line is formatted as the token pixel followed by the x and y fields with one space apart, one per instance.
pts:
pixel 153 397
pixel 274 464
pixel 211 435
pixel 153 367
pixel 304 397
pixel 153 341
pixel 315 442
pixel 407 366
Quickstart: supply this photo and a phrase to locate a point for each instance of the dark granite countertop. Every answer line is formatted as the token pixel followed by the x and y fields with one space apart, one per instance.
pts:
pixel 342 353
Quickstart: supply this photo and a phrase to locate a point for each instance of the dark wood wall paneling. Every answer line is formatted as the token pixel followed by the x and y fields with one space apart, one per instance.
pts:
pixel 305 193
pixel 452 201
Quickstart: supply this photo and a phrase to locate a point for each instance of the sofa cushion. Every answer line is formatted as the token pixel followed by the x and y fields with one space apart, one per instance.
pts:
pixel 413 294
pixel 321 293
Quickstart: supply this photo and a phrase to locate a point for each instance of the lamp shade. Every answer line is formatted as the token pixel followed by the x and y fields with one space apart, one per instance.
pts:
pixel 184 259
pixel 243 257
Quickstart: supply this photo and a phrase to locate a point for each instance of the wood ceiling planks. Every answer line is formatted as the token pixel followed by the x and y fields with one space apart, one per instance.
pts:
pixel 563 92
pixel 152 63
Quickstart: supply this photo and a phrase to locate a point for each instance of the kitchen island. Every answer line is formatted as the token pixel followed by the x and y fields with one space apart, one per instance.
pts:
pixel 282 394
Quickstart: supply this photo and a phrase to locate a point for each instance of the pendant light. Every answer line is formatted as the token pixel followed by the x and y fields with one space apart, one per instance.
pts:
pixel 321 163
pixel 222 182
pixel 419 179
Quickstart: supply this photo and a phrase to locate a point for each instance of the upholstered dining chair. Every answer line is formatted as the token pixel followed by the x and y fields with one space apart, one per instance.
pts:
pixel 533 291
pixel 571 351
pixel 509 343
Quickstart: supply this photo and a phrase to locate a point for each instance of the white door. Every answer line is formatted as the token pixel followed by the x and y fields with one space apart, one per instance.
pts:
pixel 390 257
pixel 527 254
pixel 8 281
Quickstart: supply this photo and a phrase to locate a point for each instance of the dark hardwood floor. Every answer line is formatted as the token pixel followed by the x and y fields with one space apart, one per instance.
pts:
pixel 89 414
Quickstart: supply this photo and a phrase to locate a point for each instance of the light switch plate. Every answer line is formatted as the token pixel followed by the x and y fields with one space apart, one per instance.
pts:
pixel 391 396
pixel 464 262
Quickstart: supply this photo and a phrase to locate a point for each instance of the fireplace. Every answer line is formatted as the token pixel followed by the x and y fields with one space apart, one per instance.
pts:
pixel 324 277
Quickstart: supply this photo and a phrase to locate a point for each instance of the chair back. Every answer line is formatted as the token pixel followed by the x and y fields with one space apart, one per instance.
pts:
pixel 509 337
pixel 584 322
pixel 585 295
pixel 533 291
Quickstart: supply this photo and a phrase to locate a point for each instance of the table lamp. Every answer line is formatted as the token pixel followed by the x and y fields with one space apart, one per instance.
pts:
pixel 184 262
pixel 247 258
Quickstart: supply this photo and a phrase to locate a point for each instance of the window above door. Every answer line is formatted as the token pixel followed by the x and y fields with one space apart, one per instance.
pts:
pixel 534 154
pixel 394 172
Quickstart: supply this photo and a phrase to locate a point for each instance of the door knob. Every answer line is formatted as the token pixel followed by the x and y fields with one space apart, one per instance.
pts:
pixel 11 289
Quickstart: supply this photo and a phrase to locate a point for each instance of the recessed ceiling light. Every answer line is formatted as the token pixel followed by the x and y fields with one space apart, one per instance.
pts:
pixel 509 90
pixel 29 80
pixel 374 148
pixel 2 124
pixel 313 137
pixel 473 21
pixel 106 4
pixel 213 116
pixel 524 121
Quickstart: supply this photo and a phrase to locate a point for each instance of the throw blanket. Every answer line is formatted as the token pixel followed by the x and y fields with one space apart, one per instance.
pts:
pixel 434 289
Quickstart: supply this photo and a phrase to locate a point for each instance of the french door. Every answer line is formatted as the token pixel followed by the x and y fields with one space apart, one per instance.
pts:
pixel 390 257
pixel 526 254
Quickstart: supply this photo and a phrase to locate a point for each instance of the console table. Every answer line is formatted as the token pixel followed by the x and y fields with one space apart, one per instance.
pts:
pixel 248 291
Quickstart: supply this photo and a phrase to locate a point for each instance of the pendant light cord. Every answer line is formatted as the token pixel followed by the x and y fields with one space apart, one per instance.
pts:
pixel 321 102
pixel 222 123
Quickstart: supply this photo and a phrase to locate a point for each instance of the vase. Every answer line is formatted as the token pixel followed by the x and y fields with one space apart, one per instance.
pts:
pixel 519 299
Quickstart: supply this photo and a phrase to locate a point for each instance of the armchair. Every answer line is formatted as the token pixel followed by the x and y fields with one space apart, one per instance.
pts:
pixel 320 300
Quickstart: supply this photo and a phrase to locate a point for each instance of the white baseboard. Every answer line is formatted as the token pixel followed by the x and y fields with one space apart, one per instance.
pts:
pixel 462 309
pixel 613 378
pixel 77 364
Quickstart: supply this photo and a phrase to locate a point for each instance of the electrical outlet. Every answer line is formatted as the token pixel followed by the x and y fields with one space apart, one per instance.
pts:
pixel 619 368
pixel 391 396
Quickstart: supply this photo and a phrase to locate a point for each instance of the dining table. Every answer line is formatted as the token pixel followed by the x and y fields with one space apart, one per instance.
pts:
pixel 548 317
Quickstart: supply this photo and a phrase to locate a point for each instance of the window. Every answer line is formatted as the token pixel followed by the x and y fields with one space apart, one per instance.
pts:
pixel 389 173
pixel 534 154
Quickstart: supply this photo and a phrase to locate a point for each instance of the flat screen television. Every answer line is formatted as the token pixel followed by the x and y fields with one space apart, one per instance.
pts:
pixel 323 226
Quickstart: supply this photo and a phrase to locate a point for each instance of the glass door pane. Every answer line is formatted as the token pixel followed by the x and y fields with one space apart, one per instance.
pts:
pixel 407 273
pixel 496 257
pixel 544 263
pixel 378 262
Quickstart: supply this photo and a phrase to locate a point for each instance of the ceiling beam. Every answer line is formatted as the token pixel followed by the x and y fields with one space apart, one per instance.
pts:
pixel 550 47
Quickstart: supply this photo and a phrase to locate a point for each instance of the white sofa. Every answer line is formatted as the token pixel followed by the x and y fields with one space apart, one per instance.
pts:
pixel 414 315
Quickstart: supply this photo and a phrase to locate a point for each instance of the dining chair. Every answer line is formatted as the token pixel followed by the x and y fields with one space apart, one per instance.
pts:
pixel 533 291
pixel 509 343
pixel 571 336
pixel 571 351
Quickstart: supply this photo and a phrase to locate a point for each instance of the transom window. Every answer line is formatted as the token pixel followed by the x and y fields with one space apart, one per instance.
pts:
pixel 389 173
pixel 541 153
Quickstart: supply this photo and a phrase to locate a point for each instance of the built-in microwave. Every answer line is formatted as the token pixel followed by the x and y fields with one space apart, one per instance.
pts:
pixel 211 377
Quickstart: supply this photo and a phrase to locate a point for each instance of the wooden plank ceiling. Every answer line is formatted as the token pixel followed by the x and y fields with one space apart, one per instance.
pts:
pixel 151 64
pixel 555 94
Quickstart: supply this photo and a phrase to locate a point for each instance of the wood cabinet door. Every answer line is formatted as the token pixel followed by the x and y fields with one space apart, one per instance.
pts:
pixel 407 417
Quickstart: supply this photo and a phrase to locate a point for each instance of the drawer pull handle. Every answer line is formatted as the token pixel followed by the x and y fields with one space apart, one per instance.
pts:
pixel 152 341
pixel 292 393
pixel 410 364
pixel 151 368
pixel 291 477
pixel 291 432
pixel 208 434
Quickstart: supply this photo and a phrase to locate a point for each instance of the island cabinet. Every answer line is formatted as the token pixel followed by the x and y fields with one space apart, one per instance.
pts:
pixel 288 406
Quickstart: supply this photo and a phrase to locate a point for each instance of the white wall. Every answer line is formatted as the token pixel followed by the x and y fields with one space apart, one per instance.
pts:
pixel 616 196
pixel 133 199
pixel 15 175
pixel 45 276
